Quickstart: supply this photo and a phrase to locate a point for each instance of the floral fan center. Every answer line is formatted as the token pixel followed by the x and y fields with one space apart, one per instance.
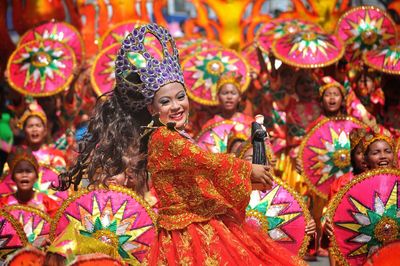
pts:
pixel 215 67
pixel 309 36
pixel 41 59
pixel 341 158
pixel 369 37
pixel 386 230
pixel 290 28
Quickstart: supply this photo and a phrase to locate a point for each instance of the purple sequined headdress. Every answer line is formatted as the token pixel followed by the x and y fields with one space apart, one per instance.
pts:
pixel 135 60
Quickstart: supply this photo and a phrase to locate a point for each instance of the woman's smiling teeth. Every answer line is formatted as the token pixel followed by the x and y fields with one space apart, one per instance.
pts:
pixel 383 163
pixel 177 116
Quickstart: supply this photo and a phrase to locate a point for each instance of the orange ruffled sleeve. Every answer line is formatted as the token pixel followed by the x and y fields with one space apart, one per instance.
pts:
pixel 194 185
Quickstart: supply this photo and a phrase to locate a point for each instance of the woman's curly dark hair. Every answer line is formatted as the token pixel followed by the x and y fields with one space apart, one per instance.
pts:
pixel 111 145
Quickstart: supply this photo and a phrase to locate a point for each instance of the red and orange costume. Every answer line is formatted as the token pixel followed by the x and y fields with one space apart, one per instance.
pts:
pixel 40 201
pixel 339 183
pixel 202 201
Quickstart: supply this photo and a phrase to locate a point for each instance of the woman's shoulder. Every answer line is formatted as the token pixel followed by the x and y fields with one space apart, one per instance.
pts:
pixel 164 134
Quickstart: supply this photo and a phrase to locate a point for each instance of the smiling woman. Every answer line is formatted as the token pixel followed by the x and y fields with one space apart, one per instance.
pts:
pixel 379 151
pixel 172 105
pixel 202 196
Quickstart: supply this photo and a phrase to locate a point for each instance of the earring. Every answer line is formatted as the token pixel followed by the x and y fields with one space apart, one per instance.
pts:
pixel 186 121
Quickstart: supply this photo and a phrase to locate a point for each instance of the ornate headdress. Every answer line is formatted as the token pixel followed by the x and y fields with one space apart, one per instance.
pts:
pixel 377 134
pixel 329 82
pixel 229 78
pixel 22 154
pixel 238 133
pixel 139 79
pixel 33 109
pixel 356 136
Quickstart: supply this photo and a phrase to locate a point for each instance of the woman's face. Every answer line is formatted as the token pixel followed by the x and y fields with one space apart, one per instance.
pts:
pixel 229 97
pixel 358 159
pixel 35 130
pixel 24 176
pixel 379 154
pixel 365 85
pixel 332 100
pixel 236 145
pixel 117 180
pixel 172 104
pixel 305 88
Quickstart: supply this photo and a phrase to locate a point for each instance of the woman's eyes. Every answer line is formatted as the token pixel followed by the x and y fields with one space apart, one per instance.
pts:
pixel 164 102
pixel 181 96
pixel 167 101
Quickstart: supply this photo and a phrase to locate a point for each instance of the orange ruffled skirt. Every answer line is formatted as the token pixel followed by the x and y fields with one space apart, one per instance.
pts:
pixel 218 242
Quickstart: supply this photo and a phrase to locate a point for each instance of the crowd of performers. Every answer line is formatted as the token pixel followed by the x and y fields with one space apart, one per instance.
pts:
pixel 74 164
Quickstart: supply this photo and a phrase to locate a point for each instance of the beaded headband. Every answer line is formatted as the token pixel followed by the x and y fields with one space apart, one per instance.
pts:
pixel 34 109
pixel 229 78
pixel 21 154
pixel 371 138
pixel 329 82
pixel 356 135
pixel 152 72
pixel 237 136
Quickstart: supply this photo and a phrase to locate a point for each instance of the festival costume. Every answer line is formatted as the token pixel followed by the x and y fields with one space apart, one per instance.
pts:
pixel 299 115
pixel 216 134
pixel 237 117
pixel 46 155
pixel 364 217
pixel 339 183
pixel 40 201
pixel 239 122
pixel 203 197
pixel 356 138
pixel 324 153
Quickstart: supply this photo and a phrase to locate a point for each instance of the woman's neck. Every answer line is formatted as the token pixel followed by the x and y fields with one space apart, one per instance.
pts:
pixel 25 196
pixel 333 114
pixel 228 114
pixel 35 147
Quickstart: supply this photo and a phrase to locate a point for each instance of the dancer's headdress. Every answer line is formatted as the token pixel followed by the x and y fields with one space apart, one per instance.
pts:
pixel 138 80
pixel 377 134
pixel 229 78
pixel 328 82
pixel 356 136
pixel 33 109
pixel 22 154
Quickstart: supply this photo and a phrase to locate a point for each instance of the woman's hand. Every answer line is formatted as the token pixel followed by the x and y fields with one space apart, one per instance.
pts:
pixel 261 177
pixel 311 228
pixel 328 227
